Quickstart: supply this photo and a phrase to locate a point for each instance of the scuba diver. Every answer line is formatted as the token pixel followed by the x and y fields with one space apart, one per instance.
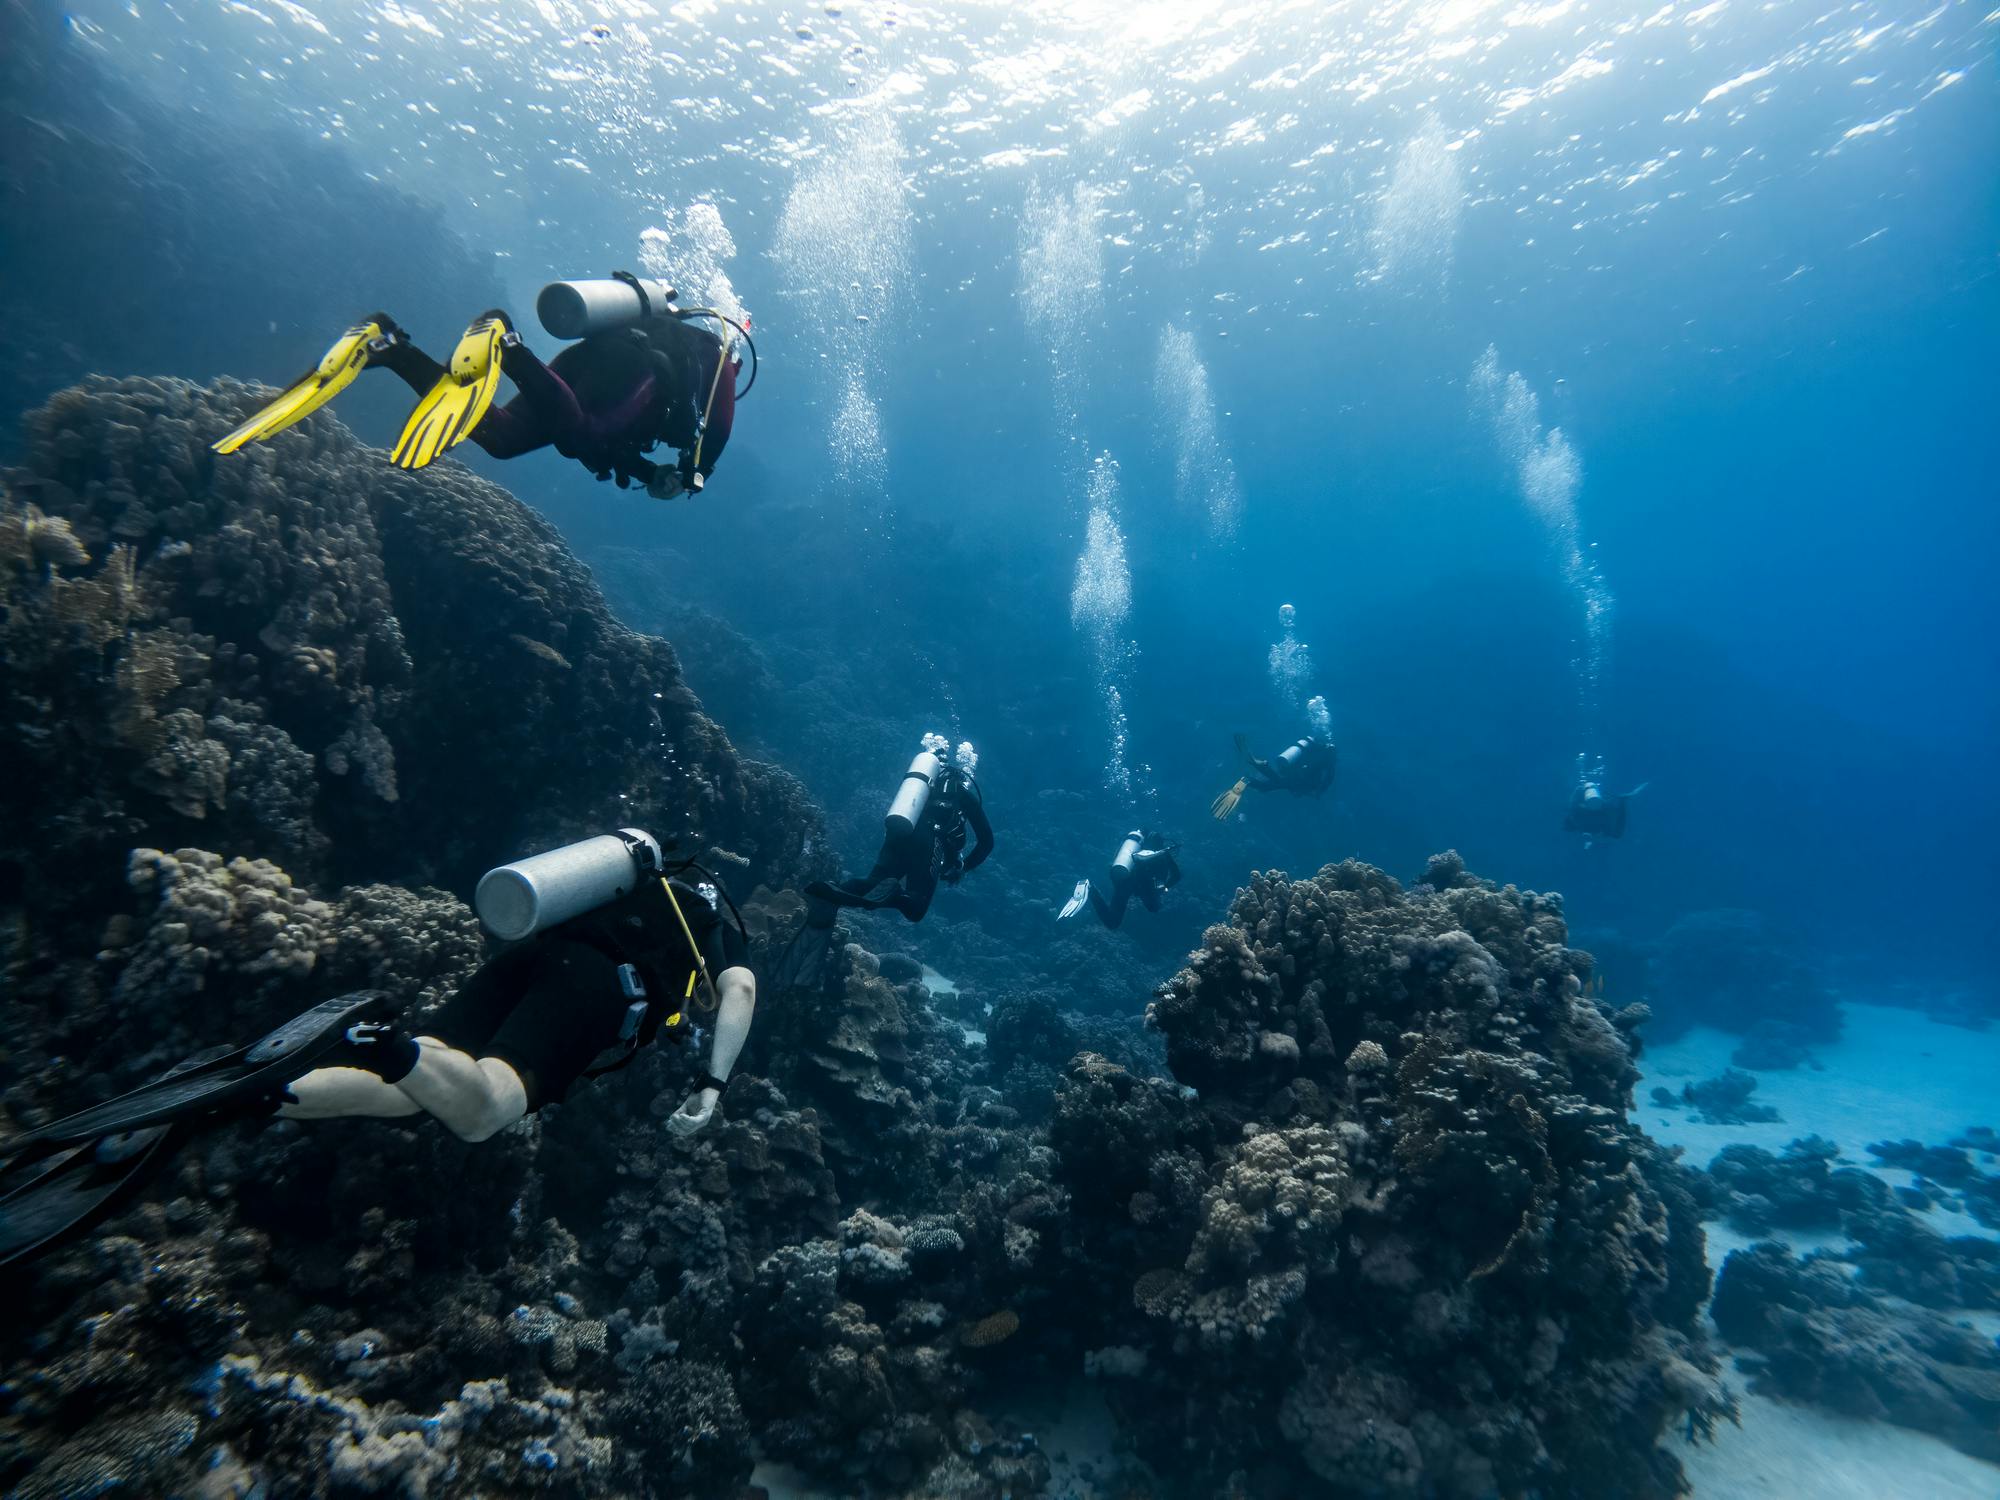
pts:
pixel 1305 769
pixel 1144 866
pixel 924 841
pixel 643 373
pixel 609 949
pixel 1595 815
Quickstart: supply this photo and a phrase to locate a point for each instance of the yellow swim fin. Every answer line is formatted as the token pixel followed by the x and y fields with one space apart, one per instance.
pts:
pixel 333 374
pixel 453 407
pixel 1224 805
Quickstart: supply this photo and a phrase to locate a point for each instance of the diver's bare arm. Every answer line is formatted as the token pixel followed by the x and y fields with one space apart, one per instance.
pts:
pixel 736 990
pixel 473 1097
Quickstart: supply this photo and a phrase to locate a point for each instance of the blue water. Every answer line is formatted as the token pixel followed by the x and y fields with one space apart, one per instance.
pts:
pixel 1743 258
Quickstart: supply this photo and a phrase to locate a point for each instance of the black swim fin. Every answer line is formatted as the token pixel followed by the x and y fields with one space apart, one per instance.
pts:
pixel 273 1059
pixel 802 964
pixel 62 1192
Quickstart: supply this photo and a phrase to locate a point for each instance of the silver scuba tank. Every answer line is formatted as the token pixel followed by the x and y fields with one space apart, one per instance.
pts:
pixel 907 808
pixel 1293 754
pixel 534 894
pixel 1128 852
pixel 577 309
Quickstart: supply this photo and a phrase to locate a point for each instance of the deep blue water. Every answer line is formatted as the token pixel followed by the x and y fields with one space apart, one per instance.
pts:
pixel 1760 306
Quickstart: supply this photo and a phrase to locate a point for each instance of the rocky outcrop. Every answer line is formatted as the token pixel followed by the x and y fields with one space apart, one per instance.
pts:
pixel 1400 1231
pixel 1815 1334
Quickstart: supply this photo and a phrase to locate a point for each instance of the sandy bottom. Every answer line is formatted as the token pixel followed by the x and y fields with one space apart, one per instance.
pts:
pixel 1893 1075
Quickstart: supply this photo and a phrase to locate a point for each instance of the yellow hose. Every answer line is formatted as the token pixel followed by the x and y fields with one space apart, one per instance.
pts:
pixel 700 963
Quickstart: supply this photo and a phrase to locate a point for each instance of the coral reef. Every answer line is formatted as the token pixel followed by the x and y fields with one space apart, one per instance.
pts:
pixel 1401 1206
pixel 1725 1100
pixel 1820 1336
pixel 254 728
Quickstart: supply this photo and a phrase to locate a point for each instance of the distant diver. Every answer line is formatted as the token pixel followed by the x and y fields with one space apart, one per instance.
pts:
pixel 610 948
pixel 1144 866
pixel 644 373
pixel 1304 769
pixel 1594 814
pixel 924 839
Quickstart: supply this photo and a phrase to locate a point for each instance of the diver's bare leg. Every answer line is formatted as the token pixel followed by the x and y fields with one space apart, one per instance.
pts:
pixel 473 1097
pixel 343 1093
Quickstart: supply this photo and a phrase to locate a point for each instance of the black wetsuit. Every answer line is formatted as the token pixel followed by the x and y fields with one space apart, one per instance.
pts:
pixel 1305 770
pixel 1153 872
pixel 933 850
pixel 606 400
pixel 550 1006
pixel 1601 816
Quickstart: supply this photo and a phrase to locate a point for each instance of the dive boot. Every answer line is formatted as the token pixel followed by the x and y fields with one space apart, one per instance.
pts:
pixel 454 406
pixel 349 356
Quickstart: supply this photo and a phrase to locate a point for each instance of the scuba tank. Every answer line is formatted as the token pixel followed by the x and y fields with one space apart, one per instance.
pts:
pixel 577 309
pixel 1294 755
pixel 1128 852
pixel 907 807
pixel 534 894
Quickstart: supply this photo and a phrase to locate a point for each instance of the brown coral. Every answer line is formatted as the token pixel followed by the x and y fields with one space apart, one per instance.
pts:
pixel 994 1328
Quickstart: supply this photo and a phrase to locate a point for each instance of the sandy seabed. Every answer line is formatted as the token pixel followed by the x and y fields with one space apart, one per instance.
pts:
pixel 1893 1075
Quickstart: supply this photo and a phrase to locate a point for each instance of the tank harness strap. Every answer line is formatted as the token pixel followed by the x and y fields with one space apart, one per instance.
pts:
pixel 639 290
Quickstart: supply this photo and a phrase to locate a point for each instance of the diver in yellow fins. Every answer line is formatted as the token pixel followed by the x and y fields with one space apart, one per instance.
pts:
pixel 642 372
pixel 1304 768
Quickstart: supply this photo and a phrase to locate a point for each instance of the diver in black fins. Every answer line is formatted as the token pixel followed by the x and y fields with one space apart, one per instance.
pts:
pixel 643 374
pixel 1144 866
pixel 1595 815
pixel 927 824
pixel 1305 769
pixel 615 949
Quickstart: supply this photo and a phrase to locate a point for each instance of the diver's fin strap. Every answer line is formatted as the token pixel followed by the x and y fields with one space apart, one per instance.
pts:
pixel 275 1058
